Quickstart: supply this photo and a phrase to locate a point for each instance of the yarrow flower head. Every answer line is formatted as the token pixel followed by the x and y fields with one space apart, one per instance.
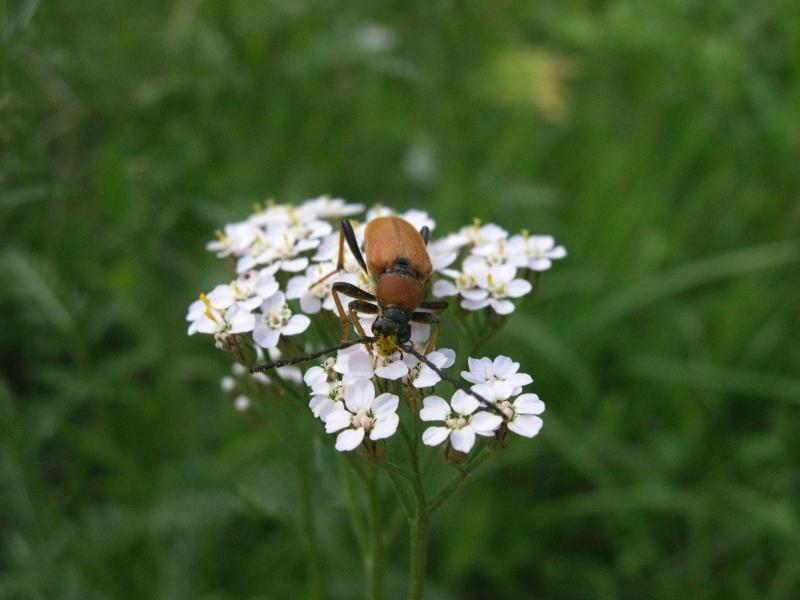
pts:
pixel 294 269
pixel 309 274
pixel 461 422
pixel 362 415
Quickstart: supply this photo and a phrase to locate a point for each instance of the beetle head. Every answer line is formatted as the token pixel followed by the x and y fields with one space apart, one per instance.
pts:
pixel 393 321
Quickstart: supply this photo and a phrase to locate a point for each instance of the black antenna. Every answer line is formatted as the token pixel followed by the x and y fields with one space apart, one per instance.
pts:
pixel 455 382
pixel 294 361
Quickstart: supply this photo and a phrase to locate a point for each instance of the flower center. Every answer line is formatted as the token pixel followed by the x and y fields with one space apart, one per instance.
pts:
pixel 362 420
pixel 465 281
pixel 507 408
pixel 457 422
pixel 278 317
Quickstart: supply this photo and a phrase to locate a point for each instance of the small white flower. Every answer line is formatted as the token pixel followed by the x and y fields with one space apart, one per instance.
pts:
pixel 521 412
pixel 236 239
pixel 422 376
pixel 537 252
pixel 276 319
pixel 327 392
pixel 248 290
pixel 313 298
pixel 228 384
pixel 477 234
pixel 242 403
pixel 205 318
pixel 500 252
pixel 461 422
pixel 465 282
pixel 500 370
pixel 500 283
pixel 417 218
pixel 362 414
pixel 325 207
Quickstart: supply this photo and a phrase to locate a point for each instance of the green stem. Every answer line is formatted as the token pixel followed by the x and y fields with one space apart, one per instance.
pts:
pixel 458 480
pixel 418 555
pixel 373 560
pixel 352 507
pixel 307 529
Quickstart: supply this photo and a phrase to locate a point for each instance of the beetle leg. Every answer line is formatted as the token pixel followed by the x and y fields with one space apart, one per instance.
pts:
pixel 346 233
pixel 430 319
pixel 348 289
pixel 436 306
pixel 357 306
pixel 425 232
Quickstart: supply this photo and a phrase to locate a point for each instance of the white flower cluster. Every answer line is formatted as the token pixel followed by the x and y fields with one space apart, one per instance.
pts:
pixel 489 274
pixel 285 259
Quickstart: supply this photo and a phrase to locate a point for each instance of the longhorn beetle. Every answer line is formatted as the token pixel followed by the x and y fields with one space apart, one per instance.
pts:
pixel 398 262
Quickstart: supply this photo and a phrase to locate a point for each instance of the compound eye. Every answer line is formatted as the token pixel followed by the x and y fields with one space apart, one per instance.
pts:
pixel 378 327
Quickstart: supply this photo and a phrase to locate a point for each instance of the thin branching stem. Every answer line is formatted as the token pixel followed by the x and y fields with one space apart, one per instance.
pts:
pixel 458 480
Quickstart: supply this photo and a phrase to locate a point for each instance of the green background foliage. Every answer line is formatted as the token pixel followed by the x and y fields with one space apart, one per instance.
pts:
pixel 658 141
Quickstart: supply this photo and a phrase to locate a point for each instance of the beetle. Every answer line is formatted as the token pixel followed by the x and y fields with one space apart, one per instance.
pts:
pixel 398 263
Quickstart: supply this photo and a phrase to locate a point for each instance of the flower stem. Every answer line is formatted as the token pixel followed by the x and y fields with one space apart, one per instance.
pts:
pixel 373 560
pixel 307 529
pixel 418 554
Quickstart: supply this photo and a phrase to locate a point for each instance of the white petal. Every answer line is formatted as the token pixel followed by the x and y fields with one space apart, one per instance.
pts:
pixel 267 288
pixel 503 307
pixel 540 264
pixel 557 252
pixel 315 375
pixel 296 287
pixel 337 419
pixel 484 423
pixel 310 304
pixel 349 439
pixel 297 324
pixel 503 366
pixel 240 320
pixel 518 287
pixel 433 436
pixel 488 391
pixel 462 439
pixel 384 405
pixel 519 380
pixel 318 404
pixel 476 295
pixel 265 336
pixel 427 378
pixel 528 404
pixel 526 425
pixel 384 427
pixel 434 408
pixel 277 299
pixel 359 395
pixel 449 358
pixel 221 297
pixel 468 304
pixel 444 288
pixel 395 370
pixel 294 266
pixel 463 403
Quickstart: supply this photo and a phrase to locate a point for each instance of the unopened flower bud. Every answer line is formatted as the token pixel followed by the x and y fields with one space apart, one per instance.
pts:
pixel 501 439
pixel 242 403
pixel 372 451
pixel 453 456
pixel 239 347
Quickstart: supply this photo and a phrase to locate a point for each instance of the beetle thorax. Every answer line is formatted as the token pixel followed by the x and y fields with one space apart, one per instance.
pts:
pixel 399 288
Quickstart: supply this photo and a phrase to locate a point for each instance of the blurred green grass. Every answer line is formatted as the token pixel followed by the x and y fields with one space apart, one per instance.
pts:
pixel 657 141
